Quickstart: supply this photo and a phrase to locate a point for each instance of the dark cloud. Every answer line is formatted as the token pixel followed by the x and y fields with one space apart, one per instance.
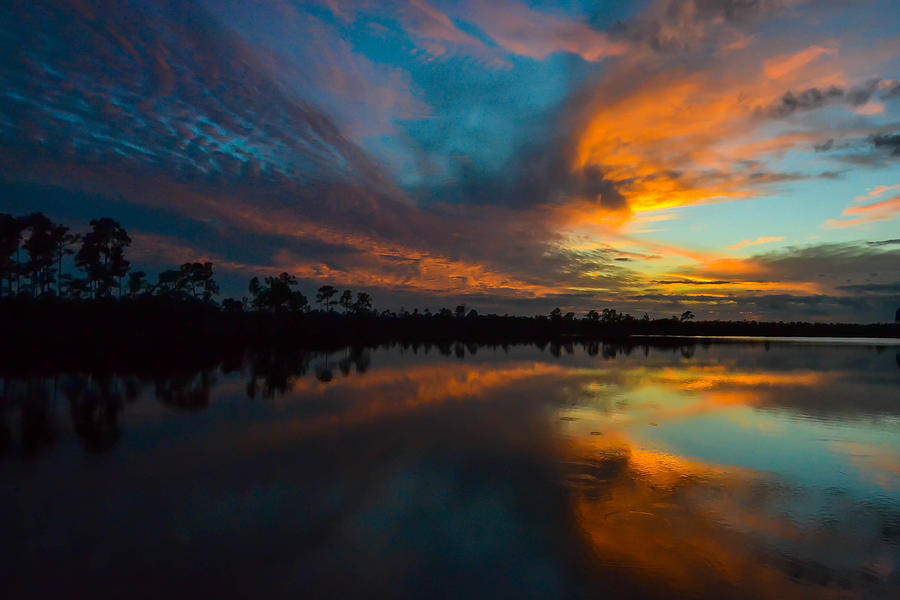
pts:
pixel 815 98
pixel 829 260
pixel 690 282
pixel 884 242
pixel 774 307
pixel 809 99
pixel 678 25
pixel 872 288
pixel 861 94
pixel 878 148
pixel 887 142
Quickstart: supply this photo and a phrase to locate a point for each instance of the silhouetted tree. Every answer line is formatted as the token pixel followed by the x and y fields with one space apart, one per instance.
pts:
pixel 346 300
pixel 460 311
pixel 230 305
pixel 62 241
pixel 10 239
pixel 686 316
pixel 170 283
pixel 39 246
pixel 198 280
pixel 611 315
pixel 325 295
pixel 137 283
pixel 593 315
pixel 102 255
pixel 277 295
pixel 363 303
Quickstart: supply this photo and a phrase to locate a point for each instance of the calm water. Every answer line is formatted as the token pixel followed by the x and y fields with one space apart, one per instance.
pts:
pixel 707 470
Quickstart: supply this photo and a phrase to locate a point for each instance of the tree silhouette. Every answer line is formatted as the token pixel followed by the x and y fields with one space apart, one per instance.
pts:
pixel 171 284
pixel 62 240
pixel 10 238
pixel 325 296
pixel 346 300
pixel 610 315
pixel 276 294
pixel 137 283
pixel 40 248
pixel 197 278
pixel 363 303
pixel 593 316
pixel 686 316
pixel 102 255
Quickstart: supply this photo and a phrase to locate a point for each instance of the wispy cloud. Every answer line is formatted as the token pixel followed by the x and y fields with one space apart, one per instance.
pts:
pixel 756 242
pixel 875 212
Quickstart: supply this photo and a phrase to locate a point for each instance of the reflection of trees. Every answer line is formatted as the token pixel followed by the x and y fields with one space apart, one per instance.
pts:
pixel 6 440
pixel 94 404
pixel 361 359
pixel 37 425
pixel 555 349
pixel 272 373
pixel 324 374
pixel 276 371
pixel 186 391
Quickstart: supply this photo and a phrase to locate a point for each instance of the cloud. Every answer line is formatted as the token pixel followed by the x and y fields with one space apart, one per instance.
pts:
pixel 781 66
pixel 875 212
pixel 888 142
pixel 884 242
pixel 877 192
pixel 527 32
pixel 810 99
pixel 682 26
pixel 869 288
pixel 690 282
pixel 756 242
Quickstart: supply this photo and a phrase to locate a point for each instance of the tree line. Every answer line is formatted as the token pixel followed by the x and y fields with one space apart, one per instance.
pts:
pixel 33 249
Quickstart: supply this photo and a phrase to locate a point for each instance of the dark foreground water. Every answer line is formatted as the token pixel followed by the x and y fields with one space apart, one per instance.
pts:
pixel 707 470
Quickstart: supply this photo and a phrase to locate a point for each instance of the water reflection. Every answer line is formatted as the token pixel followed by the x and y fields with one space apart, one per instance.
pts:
pixel 699 470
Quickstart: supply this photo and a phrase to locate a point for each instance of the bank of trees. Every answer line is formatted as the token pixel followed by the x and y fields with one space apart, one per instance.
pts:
pixel 33 250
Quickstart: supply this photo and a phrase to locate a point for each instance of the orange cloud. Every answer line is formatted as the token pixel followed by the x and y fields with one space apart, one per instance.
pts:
pixel 884 210
pixel 786 64
pixel 756 242
pixel 683 138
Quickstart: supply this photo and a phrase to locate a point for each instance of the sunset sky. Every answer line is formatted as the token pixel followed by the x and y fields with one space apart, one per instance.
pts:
pixel 738 158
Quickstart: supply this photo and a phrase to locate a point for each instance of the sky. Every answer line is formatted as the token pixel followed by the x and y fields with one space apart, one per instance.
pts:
pixel 736 158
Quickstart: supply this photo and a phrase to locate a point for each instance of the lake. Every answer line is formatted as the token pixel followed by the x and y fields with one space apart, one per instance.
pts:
pixel 685 469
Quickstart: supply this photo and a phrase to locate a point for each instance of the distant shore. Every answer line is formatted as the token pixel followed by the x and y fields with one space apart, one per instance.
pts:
pixel 880 341
pixel 58 333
